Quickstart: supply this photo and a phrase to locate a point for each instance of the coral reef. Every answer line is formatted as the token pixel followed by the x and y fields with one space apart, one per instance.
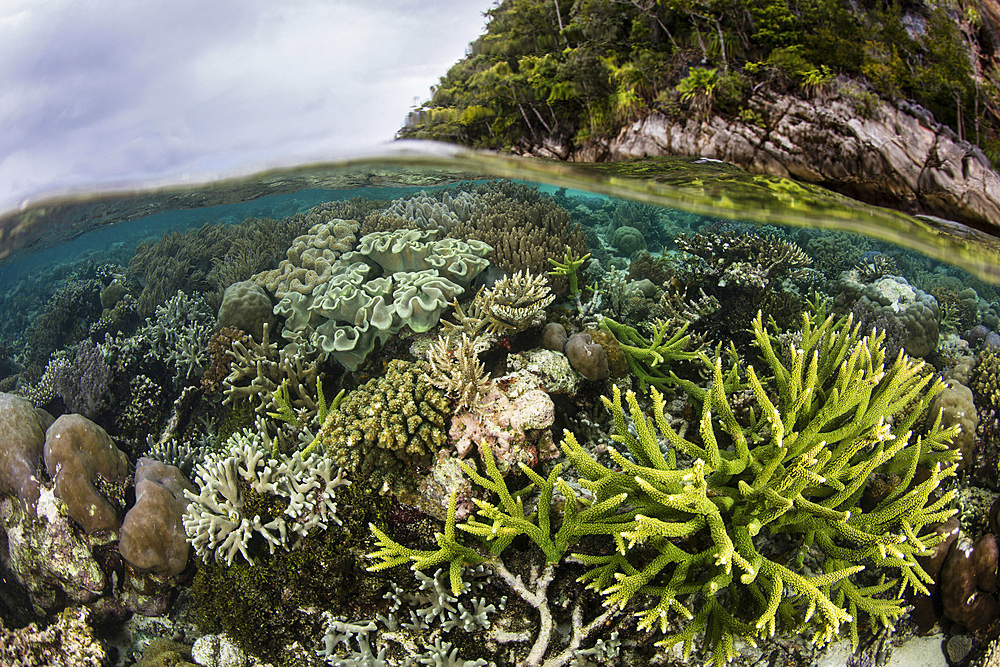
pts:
pixel 800 469
pixel 773 479
pixel 388 424
pixel 244 494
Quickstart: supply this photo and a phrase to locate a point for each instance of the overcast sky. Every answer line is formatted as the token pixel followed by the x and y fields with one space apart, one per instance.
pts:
pixel 100 91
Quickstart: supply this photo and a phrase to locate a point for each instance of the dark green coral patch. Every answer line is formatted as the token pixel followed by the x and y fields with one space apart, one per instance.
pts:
pixel 263 607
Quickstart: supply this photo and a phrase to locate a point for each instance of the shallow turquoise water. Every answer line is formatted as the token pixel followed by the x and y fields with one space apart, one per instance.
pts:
pixel 114 306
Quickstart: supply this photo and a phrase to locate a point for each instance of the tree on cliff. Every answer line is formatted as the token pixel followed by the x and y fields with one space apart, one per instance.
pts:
pixel 574 70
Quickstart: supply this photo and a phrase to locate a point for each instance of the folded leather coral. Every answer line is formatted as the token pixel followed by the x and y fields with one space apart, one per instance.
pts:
pixel 338 305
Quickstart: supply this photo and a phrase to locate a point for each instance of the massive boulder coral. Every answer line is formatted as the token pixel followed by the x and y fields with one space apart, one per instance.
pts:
pixel 894 298
pixel 956 407
pixel 22 437
pixel 90 473
pixel 152 534
pixel 246 306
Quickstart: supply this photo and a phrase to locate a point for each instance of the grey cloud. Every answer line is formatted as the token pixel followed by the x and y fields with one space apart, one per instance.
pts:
pixel 113 90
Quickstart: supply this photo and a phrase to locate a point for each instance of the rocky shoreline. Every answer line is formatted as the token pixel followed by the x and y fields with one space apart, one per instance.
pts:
pixel 843 138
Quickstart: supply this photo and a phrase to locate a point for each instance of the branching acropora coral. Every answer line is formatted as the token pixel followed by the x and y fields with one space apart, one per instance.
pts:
pixel 568 267
pixel 688 516
pixel 508 307
pixel 645 355
pixel 456 369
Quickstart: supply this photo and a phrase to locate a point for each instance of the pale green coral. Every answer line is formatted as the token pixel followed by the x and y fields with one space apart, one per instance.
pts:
pixel 647 358
pixel 688 525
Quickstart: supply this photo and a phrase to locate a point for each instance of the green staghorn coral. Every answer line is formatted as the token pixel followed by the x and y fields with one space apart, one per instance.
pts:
pixel 645 355
pixel 688 516
pixel 568 267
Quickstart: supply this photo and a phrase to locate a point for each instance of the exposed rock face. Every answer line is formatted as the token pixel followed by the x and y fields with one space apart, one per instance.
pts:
pixel 892 154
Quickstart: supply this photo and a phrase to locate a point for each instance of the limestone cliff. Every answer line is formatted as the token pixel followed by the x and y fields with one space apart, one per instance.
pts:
pixel 892 154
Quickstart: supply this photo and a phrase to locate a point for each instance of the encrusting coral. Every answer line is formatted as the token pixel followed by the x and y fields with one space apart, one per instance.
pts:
pixel 687 517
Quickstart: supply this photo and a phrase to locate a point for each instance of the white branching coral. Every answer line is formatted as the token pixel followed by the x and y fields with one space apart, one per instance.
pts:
pixel 456 369
pixel 180 333
pixel 244 492
pixel 510 306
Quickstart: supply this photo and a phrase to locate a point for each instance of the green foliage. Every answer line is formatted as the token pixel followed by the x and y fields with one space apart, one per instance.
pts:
pixel 752 116
pixel 698 88
pixel 527 79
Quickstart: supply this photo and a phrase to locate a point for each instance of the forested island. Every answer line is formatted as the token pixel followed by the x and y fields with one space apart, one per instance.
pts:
pixel 814 89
